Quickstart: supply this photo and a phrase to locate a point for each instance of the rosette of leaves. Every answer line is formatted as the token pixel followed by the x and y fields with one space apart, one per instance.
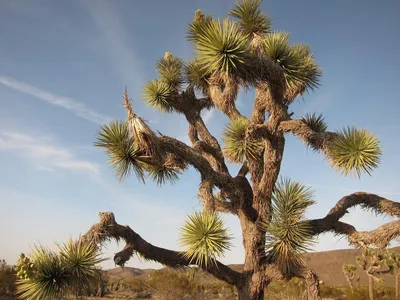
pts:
pixel 237 147
pixel 221 47
pixel 124 156
pixel 204 238
pixel 354 151
pixel 288 235
pixel 251 19
pixel 300 71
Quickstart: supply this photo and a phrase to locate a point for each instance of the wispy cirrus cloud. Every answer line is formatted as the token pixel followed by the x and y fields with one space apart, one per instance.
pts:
pixel 45 155
pixel 76 107
pixel 116 40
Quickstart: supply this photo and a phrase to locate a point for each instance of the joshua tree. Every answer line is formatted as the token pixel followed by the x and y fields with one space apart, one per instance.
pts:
pixel 241 52
pixel 349 272
pixel 394 264
pixel 374 263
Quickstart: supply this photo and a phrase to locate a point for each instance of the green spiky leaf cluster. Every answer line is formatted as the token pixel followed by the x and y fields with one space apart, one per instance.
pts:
pixel 355 151
pixel 55 275
pixel 198 26
pixel 162 174
pixel 301 73
pixel 251 19
pixel 204 238
pixel 124 157
pixel 157 93
pixel 81 261
pixel 237 148
pixel 288 235
pixel 315 122
pixel 49 280
pixel 170 70
pixel 196 77
pixel 221 47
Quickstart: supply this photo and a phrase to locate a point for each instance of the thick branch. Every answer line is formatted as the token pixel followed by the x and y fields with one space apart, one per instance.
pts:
pixel 108 228
pixel 380 237
pixel 316 140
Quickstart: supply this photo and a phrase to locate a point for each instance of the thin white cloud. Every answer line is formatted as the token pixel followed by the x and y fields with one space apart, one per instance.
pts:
pixel 77 108
pixel 43 153
pixel 115 41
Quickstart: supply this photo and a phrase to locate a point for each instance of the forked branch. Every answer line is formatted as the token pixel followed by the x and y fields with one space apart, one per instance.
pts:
pixel 379 237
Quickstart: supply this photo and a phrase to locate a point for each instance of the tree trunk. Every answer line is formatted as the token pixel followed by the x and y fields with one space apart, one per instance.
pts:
pixel 249 293
pixel 371 287
pixel 397 285
pixel 254 247
pixel 350 284
pixel 312 291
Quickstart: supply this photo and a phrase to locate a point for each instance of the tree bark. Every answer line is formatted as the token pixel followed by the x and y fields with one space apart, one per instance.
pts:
pixel 397 285
pixel 253 269
pixel 371 287
pixel 312 291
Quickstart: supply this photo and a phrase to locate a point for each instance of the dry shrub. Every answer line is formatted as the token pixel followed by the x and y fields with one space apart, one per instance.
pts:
pixel 7 280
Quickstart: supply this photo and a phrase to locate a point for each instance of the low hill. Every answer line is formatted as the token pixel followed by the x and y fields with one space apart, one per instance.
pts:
pixel 127 273
pixel 327 264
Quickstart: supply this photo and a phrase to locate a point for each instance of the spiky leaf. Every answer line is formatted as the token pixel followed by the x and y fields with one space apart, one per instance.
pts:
pixel 196 76
pixel 288 235
pixel 237 147
pixel 157 94
pixel 170 70
pixel 301 73
pixel 315 122
pixel 252 20
pixel 197 26
pixel 162 174
pixel 50 279
pixel 355 151
pixel 124 157
pixel 81 259
pixel 221 47
pixel 204 238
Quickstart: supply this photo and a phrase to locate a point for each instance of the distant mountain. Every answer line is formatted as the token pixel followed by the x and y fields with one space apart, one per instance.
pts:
pixel 327 264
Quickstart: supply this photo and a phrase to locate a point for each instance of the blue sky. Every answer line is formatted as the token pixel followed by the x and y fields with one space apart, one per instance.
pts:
pixel 63 68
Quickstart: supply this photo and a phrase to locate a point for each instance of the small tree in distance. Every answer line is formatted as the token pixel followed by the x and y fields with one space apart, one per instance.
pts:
pixel 349 271
pixel 394 264
pixel 241 52
pixel 374 263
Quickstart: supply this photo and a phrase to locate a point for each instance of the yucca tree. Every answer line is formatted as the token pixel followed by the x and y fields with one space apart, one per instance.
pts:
pixel 394 264
pixel 374 262
pixel 47 274
pixel 241 51
pixel 349 272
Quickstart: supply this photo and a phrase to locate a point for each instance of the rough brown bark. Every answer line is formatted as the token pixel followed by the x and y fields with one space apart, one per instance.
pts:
pixel 108 228
pixel 379 237
pixel 312 291
pixel 397 285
